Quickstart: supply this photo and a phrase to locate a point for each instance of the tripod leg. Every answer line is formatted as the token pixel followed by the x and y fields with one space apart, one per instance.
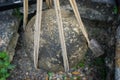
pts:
pixel 49 3
pixel 61 34
pixel 92 44
pixel 77 15
pixel 37 31
pixel 25 13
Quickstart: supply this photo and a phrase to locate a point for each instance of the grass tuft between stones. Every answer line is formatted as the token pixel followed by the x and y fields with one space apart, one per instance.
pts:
pixel 5 66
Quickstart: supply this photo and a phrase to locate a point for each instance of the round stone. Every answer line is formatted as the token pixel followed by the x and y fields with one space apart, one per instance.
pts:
pixel 50 53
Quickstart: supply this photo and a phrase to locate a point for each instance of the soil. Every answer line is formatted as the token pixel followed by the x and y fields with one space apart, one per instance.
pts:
pixel 91 68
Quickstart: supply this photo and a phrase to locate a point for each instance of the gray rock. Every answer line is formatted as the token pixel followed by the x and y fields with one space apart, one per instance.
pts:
pixel 8 33
pixel 105 1
pixel 91 14
pixel 2 1
pixel 102 13
pixel 117 73
pixel 50 57
pixel 98 11
pixel 117 55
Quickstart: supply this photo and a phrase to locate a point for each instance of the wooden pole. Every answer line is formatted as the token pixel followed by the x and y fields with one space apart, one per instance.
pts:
pixel 61 34
pixel 92 44
pixel 37 32
pixel 25 6
pixel 77 15
pixel 49 3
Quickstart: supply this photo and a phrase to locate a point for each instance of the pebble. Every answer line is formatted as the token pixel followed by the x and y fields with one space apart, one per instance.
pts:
pixel 27 73
pixel 84 78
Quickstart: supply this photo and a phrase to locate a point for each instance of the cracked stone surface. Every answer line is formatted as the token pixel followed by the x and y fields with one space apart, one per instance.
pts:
pixel 8 33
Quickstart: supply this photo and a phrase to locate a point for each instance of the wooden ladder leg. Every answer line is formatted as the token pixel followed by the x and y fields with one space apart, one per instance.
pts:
pixel 92 44
pixel 78 17
pixel 25 6
pixel 49 3
pixel 61 34
pixel 37 32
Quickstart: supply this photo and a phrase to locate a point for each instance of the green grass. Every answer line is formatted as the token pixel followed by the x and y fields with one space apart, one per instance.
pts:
pixel 5 66
pixel 100 64
pixel 17 13
pixel 115 10
pixel 81 64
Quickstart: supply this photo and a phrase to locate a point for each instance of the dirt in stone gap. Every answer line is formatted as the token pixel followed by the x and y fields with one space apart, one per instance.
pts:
pixel 101 68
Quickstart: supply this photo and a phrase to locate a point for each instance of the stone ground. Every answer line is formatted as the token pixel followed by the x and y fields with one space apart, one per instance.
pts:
pixel 101 68
pixel 89 69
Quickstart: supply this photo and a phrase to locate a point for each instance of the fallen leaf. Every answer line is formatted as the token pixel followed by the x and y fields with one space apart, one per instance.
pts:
pixel 75 73
pixel 60 72
pixel 47 78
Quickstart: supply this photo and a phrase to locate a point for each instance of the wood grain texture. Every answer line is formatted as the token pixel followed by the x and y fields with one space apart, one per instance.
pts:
pixel 37 31
pixel 25 20
pixel 61 34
